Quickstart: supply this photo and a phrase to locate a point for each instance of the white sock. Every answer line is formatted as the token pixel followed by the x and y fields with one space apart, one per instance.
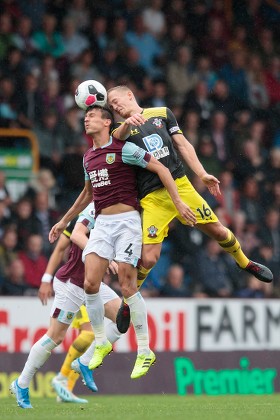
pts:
pixel 86 357
pixel 95 310
pixel 112 332
pixel 138 313
pixel 39 354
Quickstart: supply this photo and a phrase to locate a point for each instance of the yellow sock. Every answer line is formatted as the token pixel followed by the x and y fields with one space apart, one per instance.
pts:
pixel 78 347
pixel 142 275
pixel 233 247
pixel 72 379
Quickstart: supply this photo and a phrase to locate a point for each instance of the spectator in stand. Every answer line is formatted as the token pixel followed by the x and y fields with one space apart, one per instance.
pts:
pixel 6 37
pixel 8 249
pixel 69 95
pixel 273 165
pixel 74 42
pixel 48 40
pixel 253 289
pixel 234 74
pixel 85 68
pixel 191 127
pixel 229 200
pixel 266 45
pixel 199 99
pixel 111 64
pixel 78 11
pixel 147 45
pixel 251 203
pixel 239 40
pixel 175 12
pixel 205 72
pixel 272 80
pixel 46 218
pixel 42 181
pixel 223 100
pixel 175 283
pixel 30 107
pixel 251 163
pixel 5 219
pixel 214 43
pixel 181 68
pixel 15 281
pixel 154 18
pixel 13 66
pixel 257 92
pixel 217 274
pixel 23 220
pixel 117 35
pixel 35 9
pixel 131 67
pixel 249 16
pixel 8 103
pixel 51 97
pixel 22 39
pixel 176 37
pixel 269 233
pixel 46 71
pixel 72 130
pixel 207 154
pixel 33 260
pixel 4 192
pixel 160 96
pixel 221 135
pixel 50 141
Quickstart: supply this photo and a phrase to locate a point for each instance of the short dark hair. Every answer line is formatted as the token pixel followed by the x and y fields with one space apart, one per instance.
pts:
pixel 105 112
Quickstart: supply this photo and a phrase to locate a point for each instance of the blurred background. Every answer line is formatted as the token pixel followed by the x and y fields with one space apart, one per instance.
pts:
pixel 216 64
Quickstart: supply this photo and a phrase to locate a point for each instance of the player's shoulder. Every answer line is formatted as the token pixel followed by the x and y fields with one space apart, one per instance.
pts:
pixel 156 112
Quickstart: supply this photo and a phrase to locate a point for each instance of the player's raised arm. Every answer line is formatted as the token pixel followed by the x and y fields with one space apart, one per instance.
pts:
pixel 46 290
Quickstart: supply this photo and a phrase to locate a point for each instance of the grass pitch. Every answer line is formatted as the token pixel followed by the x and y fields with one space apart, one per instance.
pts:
pixel 148 407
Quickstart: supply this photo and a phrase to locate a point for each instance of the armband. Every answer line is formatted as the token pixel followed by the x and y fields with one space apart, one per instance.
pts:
pixel 47 278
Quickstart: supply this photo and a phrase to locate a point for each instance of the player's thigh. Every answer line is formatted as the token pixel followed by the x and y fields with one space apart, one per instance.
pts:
pixel 203 212
pixel 95 269
pixel 158 212
pixel 128 240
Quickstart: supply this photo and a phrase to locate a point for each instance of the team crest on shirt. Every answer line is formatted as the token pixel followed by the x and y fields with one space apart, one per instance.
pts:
pixel 152 231
pixel 157 122
pixel 110 158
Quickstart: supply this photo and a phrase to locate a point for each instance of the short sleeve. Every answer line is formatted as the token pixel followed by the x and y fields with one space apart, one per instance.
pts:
pixel 134 155
pixel 87 216
pixel 172 124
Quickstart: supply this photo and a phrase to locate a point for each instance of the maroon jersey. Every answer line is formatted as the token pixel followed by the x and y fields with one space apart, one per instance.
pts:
pixel 73 269
pixel 112 176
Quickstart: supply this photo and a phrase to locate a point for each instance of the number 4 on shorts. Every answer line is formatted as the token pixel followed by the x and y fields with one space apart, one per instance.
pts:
pixel 129 250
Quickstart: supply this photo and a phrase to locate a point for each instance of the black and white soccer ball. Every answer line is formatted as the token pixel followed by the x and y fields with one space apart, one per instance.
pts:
pixel 89 93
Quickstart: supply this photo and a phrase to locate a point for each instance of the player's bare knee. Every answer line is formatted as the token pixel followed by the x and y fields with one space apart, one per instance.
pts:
pixel 90 287
pixel 149 261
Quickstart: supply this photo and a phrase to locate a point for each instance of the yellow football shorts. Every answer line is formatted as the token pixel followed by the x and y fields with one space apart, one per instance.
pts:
pixel 159 210
pixel 80 318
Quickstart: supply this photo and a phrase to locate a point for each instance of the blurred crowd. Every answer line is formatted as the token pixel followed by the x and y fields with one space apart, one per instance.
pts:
pixel 215 63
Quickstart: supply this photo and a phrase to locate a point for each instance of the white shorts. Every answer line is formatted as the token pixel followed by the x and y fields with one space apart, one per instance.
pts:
pixel 116 237
pixel 68 298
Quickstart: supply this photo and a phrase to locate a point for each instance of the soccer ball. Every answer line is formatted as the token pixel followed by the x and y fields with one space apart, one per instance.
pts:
pixel 90 93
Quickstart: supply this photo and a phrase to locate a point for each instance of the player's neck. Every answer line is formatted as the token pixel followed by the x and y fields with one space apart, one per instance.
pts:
pixel 99 140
